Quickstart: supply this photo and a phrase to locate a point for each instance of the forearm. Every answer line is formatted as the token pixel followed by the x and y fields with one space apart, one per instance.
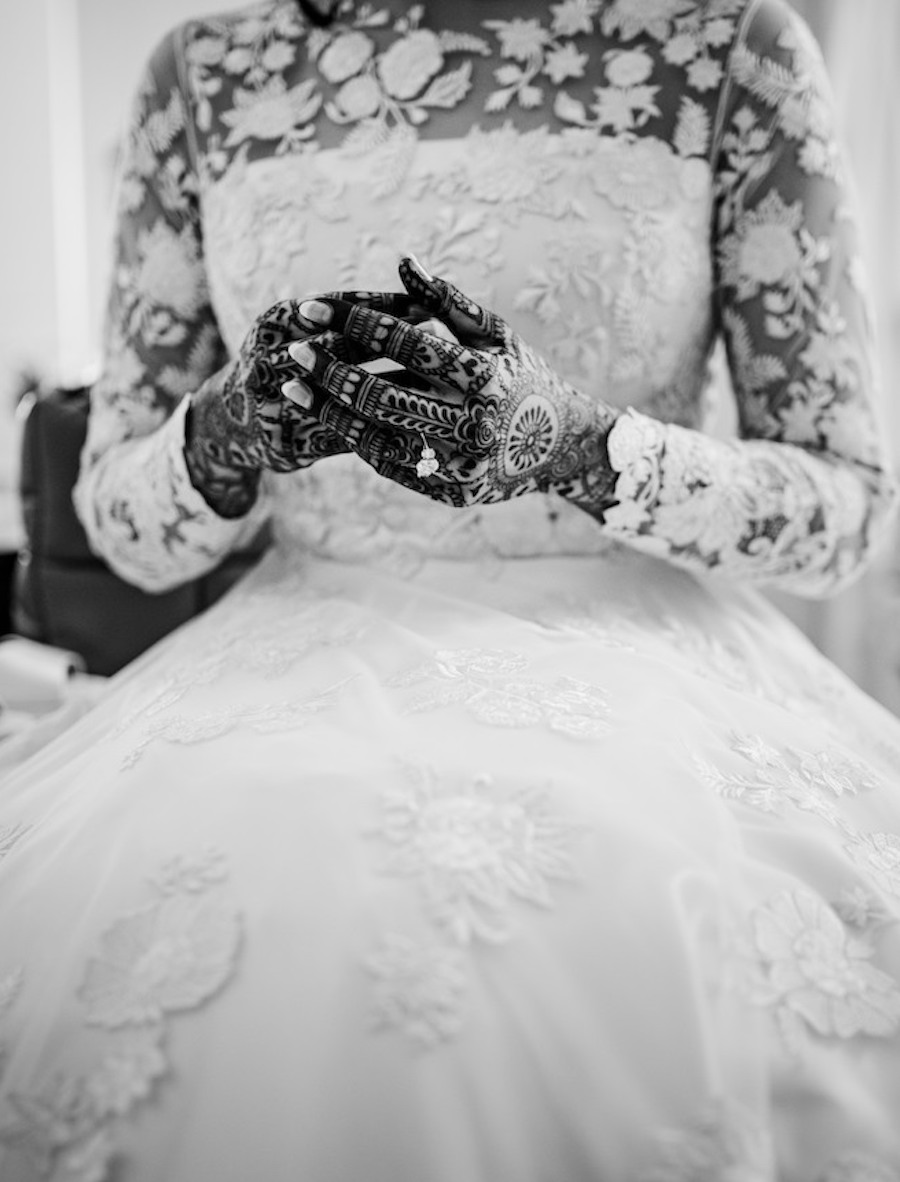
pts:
pixel 144 517
pixel 765 512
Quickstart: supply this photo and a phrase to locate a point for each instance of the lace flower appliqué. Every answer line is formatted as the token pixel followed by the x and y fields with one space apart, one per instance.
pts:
pixel 419 990
pixel 816 977
pixel 490 684
pixel 475 851
pixel 172 955
pixel 813 782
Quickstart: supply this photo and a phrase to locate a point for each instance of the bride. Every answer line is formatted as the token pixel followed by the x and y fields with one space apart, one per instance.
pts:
pixel 495 827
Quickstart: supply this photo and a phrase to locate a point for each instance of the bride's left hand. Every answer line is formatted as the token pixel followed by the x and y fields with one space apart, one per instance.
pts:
pixel 499 420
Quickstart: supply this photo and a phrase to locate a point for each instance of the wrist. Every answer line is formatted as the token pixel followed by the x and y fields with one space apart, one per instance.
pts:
pixel 590 479
pixel 229 487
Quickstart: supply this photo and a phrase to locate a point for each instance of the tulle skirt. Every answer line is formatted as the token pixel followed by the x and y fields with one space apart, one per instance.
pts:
pixel 575 869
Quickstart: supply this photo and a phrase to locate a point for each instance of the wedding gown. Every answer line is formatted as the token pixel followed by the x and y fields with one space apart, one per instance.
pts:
pixel 477 845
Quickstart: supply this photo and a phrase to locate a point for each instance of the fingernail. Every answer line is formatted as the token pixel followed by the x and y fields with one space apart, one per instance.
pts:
pixel 315 311
pixel 297 392
pixel 417 266
pixel 302 354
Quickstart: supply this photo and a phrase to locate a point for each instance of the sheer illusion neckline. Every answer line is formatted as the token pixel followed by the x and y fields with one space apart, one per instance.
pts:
pixel 322 12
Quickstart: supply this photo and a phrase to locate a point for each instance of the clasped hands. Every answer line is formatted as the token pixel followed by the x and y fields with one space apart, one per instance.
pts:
pixel 500 422
pixel 493 416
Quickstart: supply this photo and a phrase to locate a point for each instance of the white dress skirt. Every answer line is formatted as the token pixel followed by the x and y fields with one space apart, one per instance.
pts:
pixel 576 870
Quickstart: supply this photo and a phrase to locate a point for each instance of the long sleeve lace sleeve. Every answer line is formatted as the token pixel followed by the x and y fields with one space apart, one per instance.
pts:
pixel 134 496
pixel 799 500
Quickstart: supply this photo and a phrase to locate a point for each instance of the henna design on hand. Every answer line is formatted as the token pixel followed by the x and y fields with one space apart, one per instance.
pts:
pixel 502 422
pixel 240 421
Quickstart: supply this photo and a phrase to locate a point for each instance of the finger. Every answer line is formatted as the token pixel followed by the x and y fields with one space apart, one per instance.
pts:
pixel 284 366
pixel 374 399
pixel 467 318
pixel 391 453
pixel 397 303
pixel 376 444
pixel 442 362
pixel 394 454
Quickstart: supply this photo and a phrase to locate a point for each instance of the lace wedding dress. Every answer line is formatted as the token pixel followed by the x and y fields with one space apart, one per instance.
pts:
pixel 478 845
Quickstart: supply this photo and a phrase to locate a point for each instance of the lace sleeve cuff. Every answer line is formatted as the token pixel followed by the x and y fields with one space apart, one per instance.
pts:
pixel 143 516
pixel 759 510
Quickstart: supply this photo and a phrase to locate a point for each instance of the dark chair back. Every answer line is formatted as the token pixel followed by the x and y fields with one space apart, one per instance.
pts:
pixel 63 594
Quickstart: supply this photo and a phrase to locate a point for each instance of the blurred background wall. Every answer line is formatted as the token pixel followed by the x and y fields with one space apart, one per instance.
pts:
pixel 860 629
pixel 65 90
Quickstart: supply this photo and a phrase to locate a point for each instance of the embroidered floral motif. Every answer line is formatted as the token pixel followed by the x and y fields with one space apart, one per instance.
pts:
pixel 725 1141
pixel 533 51
pixel 488 683
pixel 420 991
pixel 169 956
pixel 271 718
pixel 810 781
pixel 387 93
pixel 625 104
pixel 630 18
pixel 772 248
pixel 879 855
pixel 475 850
pixel 859 908
pixel 269 649
pixel 128 1073
pixel 799 95
pixel 815 977
pixel 172 955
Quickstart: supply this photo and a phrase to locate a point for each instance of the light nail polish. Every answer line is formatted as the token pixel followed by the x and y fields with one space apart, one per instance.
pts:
pixel 417 266
pixel 296 392
pixel 315 312
pixel 302 354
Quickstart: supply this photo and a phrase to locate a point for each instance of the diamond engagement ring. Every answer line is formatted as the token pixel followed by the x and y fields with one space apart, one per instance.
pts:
pixel 428 464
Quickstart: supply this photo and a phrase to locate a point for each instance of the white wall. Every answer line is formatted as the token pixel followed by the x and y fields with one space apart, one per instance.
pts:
pixel 69 71
pixel 27 291
pixel 116 37
pixel 28 334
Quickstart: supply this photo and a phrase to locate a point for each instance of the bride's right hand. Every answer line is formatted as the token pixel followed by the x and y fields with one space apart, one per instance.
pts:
pixel 240 423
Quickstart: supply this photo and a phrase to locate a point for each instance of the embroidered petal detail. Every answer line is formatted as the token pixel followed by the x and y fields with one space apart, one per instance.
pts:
pixel 420 991
pixel 485 681
pixel 169 956
pixel 816 977
pixel 476 850
pixel 128 1072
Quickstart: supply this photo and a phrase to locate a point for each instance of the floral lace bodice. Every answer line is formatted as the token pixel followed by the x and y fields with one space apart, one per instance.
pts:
pixel 621 179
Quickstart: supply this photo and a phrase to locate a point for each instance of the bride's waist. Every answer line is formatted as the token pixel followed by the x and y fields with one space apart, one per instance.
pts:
pixel 339 509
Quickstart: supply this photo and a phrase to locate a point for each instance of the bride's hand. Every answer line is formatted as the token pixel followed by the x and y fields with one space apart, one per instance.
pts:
pixel 240 422
pixel 499 420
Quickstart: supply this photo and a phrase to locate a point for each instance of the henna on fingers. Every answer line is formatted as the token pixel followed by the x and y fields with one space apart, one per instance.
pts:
pixel 241 422
pixel 503 422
